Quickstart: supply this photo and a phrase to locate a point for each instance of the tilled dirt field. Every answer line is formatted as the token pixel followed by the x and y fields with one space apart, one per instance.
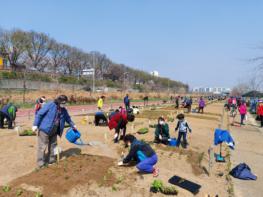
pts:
pixel 93 170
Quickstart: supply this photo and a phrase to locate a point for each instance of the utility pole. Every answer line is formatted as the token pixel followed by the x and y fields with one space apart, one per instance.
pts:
pixel 93 75
pixel 168 86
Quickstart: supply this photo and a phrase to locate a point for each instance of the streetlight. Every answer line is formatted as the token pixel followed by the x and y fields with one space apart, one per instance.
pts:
pixel 124 80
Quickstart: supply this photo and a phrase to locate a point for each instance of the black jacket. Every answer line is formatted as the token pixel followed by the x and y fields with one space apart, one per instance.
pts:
pixel 139 151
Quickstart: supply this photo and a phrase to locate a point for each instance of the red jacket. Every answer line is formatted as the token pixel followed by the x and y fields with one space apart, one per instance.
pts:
pixel 260 110
pixel 116 118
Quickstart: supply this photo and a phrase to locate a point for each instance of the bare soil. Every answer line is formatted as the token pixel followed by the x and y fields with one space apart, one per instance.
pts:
pixel 93 170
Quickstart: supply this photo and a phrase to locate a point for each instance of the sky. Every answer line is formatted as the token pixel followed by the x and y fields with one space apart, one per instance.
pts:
pixel 202 43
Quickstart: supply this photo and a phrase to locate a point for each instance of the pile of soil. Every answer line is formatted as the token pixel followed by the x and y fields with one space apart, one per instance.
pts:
pixel 60 178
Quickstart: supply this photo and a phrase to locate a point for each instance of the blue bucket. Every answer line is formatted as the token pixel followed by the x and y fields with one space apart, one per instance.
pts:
pixel 173 142
pixel 72 135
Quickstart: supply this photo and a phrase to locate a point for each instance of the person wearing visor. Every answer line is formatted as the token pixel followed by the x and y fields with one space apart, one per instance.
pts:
pixel 50 122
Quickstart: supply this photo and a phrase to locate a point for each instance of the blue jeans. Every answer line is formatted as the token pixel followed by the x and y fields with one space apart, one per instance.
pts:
pixel 180 134
pixel 147 164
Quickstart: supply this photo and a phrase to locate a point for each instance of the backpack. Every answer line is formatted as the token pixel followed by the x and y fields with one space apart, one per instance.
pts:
pixel 242 171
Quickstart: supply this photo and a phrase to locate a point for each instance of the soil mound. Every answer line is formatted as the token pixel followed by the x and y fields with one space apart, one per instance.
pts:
pixel 60 178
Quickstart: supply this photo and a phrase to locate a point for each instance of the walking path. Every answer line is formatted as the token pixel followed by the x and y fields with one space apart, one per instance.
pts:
pixel 89 108
pixel 249 149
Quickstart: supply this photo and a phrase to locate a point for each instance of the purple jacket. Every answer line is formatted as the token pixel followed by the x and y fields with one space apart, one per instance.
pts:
pixel 201 103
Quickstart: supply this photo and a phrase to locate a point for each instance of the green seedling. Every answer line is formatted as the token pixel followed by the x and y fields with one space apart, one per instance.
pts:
pixel 19 192
pixel 114 188
pixel 143 131
pixel 6 188
pixel 158 186
pixel 119 180
pixel 38 194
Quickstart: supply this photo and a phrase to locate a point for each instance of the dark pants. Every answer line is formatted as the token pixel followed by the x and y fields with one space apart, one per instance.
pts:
pixel 261 119
pixel 184 144
pixel 147 164
pixel 201 110
pixel 117 131
pixel 242 116
pixel 127 106
pixel 189 107
pixel 2 117
pixel 164 139
pixel 177 104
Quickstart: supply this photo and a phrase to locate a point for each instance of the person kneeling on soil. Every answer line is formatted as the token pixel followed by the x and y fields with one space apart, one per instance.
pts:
pixel 8 112
pixel 119 121
pixel 183 127
pixel 50 121
pixel 100 119
pixel 162 132
pixel 142 153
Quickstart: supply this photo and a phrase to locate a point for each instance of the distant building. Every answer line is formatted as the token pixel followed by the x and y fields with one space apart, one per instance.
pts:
pixel 155 73
pixel 214 90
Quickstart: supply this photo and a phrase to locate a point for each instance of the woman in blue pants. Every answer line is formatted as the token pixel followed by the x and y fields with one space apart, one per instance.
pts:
pixel 142 153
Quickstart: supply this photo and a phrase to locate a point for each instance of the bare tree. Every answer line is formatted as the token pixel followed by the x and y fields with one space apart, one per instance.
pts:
pixel 12 46
pixel 37 47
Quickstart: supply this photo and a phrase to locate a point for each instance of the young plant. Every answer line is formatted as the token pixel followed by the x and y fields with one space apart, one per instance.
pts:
pixel 38 194
pixel 6 188
pixel 19 192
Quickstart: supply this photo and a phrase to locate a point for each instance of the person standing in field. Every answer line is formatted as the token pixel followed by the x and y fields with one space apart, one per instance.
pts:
pixel 243 111
pixel 201 105
pixel 126 101
pixel 177 102
pixel 183 128
pixel 100 102
pixel 260 112
pixel 50 122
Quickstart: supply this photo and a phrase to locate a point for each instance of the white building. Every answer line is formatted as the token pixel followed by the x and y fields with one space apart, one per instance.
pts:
pixel 214 90
pixel 155 73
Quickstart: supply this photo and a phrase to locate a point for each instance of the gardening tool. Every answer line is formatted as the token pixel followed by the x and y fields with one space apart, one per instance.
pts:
pixel 57 151
pixel 73 136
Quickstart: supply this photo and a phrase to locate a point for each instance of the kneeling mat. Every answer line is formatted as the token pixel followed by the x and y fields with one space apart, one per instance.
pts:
pixel 185 184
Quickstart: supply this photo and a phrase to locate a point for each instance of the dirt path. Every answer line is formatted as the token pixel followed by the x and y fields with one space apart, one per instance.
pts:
pixel 249 149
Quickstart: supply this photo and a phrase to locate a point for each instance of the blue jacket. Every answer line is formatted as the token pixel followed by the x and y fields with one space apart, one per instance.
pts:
pixel 126 100
pixel 221 136
pixel 45 118
pixel 5 109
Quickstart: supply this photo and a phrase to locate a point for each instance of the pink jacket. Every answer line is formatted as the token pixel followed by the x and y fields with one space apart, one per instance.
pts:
pixel 243 109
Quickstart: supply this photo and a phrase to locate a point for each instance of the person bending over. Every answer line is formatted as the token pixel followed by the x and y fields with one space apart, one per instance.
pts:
pixel 142 153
